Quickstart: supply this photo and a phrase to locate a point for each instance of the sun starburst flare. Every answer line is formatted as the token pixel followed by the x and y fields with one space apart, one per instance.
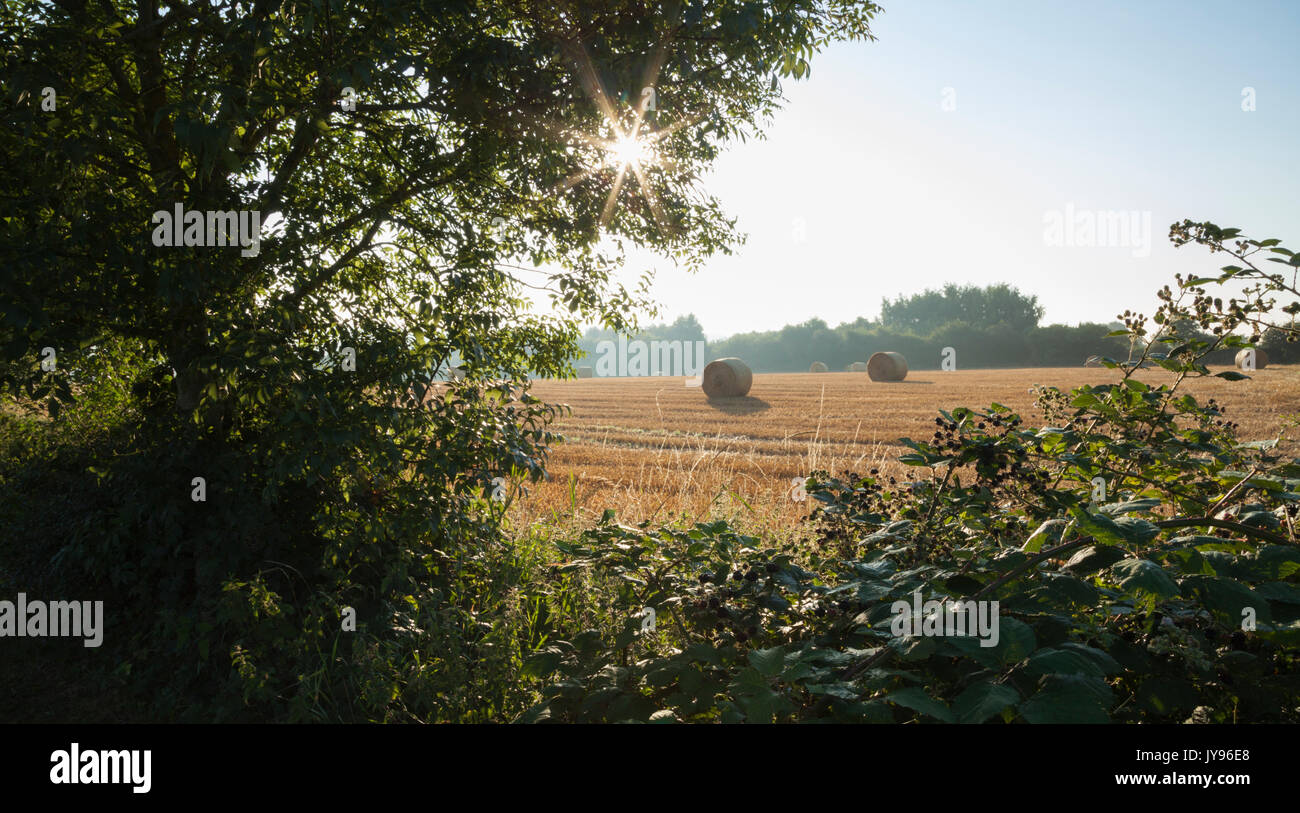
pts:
pixel 626 151
pixel 622 149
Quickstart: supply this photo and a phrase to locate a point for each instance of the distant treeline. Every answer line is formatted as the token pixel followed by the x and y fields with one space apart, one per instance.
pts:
pixel 794 347
pixel 990 327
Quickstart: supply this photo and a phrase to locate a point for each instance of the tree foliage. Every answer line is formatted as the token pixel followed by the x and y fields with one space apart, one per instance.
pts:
pixel 417 167
pixel 979 307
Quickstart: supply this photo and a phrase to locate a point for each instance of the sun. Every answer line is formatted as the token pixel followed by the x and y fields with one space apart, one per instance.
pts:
pixel 627 151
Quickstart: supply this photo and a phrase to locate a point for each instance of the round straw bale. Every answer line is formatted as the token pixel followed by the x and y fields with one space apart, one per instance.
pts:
pixel 727 378
pixel 858 367
pixel 1261 358
pixel 817 367
pixel 585 372
pixel 887 367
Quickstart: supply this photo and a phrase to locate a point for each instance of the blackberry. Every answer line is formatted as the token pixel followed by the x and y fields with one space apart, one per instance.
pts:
pixel 771 567
pixel 751 576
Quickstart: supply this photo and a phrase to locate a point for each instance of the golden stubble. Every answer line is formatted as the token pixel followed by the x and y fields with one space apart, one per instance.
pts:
pixel 653 448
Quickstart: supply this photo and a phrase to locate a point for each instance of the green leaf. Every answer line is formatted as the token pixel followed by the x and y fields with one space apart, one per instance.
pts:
pixel 537 714
pixel 916 699
pixel 1050 531
pixel 1137 530
pixel 1277 561
pixel 843 691
pixel 1279 591
pixel 1069 699
pixel 981 701
pixel 1015 641
pixel 1071 660
pixel 542 664
pixel 768 662
pixel 1065 590
pixel 1144 575
pixel 1226 598
pixel 1093 558
pixel 1099 526
pixel 1145 504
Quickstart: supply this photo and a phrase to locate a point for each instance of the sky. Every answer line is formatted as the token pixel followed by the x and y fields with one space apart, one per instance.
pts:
pixel 971 143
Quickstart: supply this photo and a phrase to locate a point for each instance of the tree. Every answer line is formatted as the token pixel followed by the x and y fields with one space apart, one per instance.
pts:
pixel 402 172
pixel 922 314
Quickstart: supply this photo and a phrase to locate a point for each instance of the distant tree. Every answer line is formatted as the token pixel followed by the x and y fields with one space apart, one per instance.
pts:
pixel 685 328
pixel 985 307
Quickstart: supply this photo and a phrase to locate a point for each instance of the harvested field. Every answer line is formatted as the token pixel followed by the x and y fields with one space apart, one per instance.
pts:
pixel 653 448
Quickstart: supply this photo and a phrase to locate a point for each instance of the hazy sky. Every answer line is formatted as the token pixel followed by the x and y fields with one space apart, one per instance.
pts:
pixel 868 187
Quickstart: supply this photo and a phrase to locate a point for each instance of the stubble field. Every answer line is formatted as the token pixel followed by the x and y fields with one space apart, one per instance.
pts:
pixel 653 448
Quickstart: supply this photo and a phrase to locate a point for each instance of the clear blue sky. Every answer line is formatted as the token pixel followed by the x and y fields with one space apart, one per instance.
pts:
pixel 1116 106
